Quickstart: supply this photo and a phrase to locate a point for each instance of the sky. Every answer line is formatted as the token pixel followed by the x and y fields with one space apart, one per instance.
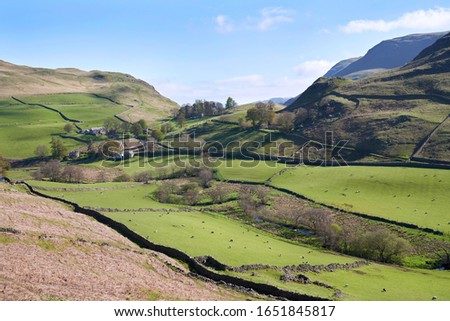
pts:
pixel 209 49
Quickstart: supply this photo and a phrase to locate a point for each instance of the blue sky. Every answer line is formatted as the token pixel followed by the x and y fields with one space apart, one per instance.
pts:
pixel 205 49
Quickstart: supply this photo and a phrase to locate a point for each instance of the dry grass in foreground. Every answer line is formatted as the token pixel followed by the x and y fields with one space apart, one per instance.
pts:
pixel 51 253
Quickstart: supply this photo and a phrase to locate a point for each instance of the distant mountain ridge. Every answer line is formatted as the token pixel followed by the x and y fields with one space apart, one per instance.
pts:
pixel 401 112
pixel 276 100
pixel 387 54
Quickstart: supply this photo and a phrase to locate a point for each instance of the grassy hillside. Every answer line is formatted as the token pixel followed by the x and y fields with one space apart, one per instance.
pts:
pixel 389 113
pixel 411 195
pixel 23 128
pixel 51 253
pixel 236 243
pixel 137 98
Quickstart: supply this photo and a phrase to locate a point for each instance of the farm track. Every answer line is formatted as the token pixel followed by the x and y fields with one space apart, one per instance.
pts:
pixel 435 98
pixel 421 145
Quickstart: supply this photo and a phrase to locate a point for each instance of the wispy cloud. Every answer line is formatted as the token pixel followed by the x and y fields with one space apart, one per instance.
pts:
pixel 224 24
pixel 313 68
pixel 244 89
pixel 253 80
pixel 431 19
pixel 271 17
pixel 268 19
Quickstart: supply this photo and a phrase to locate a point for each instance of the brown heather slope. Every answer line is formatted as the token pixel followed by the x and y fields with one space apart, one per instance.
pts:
pixel 48 252
pixel 141 99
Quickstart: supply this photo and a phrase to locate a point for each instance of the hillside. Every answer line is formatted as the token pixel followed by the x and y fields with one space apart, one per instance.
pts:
pixel 140 99
pixel 388 54
pixel 390 113
pixel 52 253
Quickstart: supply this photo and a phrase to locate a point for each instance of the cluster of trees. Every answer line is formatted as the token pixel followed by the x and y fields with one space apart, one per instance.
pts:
pixel 57 149
pixel 190 193
pixel 199 109
pixel 139 129
pixel 378 244
pixel 113 126
pixel 202 108
pixel 170 192
pixel 262 115
pixel 56 172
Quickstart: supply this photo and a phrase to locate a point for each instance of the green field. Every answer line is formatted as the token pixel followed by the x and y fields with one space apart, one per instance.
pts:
pixel 89 109
pixel 366 283
pixel 250 171
pixel 109 195
pixel 205 233
pixel 200 233
pixel 411 195
pixel 156 165
pixel 22 128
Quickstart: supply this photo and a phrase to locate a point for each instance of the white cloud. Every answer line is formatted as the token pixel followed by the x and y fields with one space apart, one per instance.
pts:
pixel 313 68
pixel 224 24
pixel 432 19
pixel 244 89
pixel 270 17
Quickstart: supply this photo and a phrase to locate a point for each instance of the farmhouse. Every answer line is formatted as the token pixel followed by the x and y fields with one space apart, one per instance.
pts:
pixel 96 131
pixel 74 154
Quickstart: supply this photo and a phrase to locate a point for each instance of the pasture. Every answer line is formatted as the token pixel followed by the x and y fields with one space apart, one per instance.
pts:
pixel 157 166
pixel 23 128
pixel 89 109
pixel 412 195
pixel 366 283
pixel 108 195
pixel 234 243
pixel 231 242
pixel 248 170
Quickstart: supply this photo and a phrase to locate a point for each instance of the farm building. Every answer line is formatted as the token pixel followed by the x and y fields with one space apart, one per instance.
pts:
pixel 95 131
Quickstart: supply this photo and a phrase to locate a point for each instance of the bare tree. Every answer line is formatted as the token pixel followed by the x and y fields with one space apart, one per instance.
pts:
pixel 143 177
pixel 51 170
pixel 72 174
pixel 42 151
pixel 218 194
pixel 205 175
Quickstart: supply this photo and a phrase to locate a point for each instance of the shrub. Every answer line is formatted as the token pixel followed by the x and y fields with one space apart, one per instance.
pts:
pixel 122 178
pixel 143 177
